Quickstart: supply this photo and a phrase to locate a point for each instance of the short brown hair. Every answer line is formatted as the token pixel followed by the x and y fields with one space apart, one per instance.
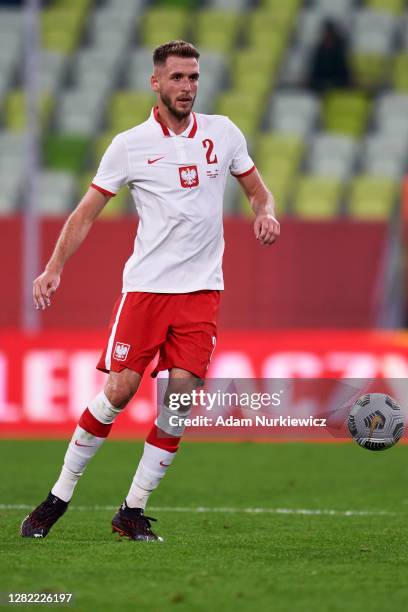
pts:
pixel 180 48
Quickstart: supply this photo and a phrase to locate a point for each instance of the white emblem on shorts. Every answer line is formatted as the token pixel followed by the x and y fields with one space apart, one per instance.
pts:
pixel 121 351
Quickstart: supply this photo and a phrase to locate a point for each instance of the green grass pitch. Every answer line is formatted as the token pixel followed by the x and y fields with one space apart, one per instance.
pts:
pixel 222 557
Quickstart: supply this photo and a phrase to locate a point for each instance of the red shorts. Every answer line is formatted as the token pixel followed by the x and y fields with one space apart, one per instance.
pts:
pixel 182 326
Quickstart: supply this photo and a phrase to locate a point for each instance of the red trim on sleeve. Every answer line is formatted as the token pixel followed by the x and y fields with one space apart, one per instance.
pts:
pixel 194 128
pixel 102 190
pixel 245 173
pixel 157 117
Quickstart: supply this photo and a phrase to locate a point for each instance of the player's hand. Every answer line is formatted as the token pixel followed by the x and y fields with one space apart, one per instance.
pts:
pixel 44 288
pixel 266 229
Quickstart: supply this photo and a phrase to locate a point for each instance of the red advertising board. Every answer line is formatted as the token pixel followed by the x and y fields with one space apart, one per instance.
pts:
pixel 47 379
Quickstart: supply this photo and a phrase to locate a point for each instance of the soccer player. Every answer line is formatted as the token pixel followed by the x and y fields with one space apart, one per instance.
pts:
pixel 175 165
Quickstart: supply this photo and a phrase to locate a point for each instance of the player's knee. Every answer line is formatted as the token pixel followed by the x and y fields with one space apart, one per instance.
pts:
pixel 120 389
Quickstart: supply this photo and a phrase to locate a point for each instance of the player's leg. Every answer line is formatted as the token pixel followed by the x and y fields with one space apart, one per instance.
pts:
pixel 159 451
pixel 89 435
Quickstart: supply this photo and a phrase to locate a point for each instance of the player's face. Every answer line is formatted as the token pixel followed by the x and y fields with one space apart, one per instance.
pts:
pixel 176 84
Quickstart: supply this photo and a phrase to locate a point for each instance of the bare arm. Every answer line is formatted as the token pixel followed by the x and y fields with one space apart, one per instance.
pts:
pixel 72 235
pixel 266 226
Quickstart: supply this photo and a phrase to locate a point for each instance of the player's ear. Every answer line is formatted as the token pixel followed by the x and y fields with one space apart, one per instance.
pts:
pixel 154 83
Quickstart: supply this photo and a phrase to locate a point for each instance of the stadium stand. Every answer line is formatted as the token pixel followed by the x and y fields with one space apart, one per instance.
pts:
pixel 343 152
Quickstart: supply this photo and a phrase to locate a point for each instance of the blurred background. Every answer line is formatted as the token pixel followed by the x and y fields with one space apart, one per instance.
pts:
pixel 320 89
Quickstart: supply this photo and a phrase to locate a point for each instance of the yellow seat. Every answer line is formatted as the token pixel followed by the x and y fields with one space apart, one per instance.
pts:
pixel 129 108
pixel 162 24
pixel 370 70
pixel 400 72
pixel 217 30
pixel 372 198
pixel 317 198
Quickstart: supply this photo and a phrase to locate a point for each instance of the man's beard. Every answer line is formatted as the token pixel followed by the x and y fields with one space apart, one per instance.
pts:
pixel 178 114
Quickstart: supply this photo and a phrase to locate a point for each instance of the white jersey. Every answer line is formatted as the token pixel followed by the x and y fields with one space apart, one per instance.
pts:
pixel 177 183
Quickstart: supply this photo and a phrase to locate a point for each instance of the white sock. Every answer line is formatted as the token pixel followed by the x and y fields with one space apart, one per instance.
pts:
pixel 151 469
pixel 81 449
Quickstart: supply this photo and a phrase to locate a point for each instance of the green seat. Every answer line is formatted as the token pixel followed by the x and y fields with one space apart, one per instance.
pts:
pixel 271 147
pixel 370 70
pixel 266 29
pixel 317 198
pixel 372 198
pixel 129 108
pixel 61 28
pixel 245 78
pixel 62 152
pixel 243 108
pixel 346 112
pixel 15 111
pixel 390 6
pixel 286 9
pixel 162 24
pixel 217 30
pixel 400 72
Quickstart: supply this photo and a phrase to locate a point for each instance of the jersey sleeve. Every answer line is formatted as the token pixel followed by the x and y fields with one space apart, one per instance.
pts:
pixel 241 163
pixel 113 171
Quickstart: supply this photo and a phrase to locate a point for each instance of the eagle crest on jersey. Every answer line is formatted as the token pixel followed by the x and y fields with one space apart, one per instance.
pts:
pixel 121 351
pixel 188 176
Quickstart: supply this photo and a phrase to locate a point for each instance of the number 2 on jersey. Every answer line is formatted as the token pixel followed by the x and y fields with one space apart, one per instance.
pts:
pixel 209 146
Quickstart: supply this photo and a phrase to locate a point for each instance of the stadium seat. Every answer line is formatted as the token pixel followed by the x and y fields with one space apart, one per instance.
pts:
pixel 400 72
pixel 253 70
pixel 57 192
pixel 139 69
pixel 15 111
pixel 282 10
pixel 88 73
pixel 65 152
pixel 385 156
pixel 346 112
pixel 129 108
pixel 294 113
pixel 332 155
pixel 278 157
pixel 213 70
pixel 267 30
pixel 62 28
pixel 391 108
pixel 80 112
pixel 243 108
pixel 317 198
pixel 295 66
pixel 370 70
pixel 52 71
pixel 10 193
pixel 217 30
pixel 373 31
pixel 372 198
pixel 162 24
pixel 389 6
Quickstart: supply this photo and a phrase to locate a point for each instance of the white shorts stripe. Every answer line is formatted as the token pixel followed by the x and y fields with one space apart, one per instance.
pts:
pixel 113 334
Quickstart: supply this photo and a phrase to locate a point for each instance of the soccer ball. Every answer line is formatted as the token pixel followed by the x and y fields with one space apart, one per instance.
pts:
pixel 376 421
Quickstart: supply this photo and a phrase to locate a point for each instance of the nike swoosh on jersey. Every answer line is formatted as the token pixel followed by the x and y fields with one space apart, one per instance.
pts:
pixel 152 161
pixel 78 444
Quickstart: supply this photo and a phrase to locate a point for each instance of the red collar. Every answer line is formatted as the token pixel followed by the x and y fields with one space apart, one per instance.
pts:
pixel 166 130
